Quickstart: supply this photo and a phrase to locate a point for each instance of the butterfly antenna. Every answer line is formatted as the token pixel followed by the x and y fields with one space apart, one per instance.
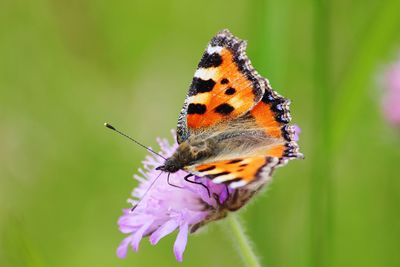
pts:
pixel 145 193
pixel 109 126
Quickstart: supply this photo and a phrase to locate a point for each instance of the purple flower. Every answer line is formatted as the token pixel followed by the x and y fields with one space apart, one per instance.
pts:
pixel 164 208
pixel 161 208
pixel 391 97
pixel 297 131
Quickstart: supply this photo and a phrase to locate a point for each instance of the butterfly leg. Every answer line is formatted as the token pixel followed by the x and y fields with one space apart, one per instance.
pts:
pixel 168 181
pixel 227 192
pixel 186 178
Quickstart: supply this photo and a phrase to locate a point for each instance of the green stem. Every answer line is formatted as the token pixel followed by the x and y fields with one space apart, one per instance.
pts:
pixel 243 243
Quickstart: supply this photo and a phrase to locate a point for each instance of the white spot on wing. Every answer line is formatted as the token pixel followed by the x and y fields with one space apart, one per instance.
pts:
pixel 206 74
pixel 199 98
pixel 214 49
pixel 237 184
pixel 236 101
pixel 223 178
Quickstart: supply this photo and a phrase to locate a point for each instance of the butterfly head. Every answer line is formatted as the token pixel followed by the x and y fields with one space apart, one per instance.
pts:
pixel 170 165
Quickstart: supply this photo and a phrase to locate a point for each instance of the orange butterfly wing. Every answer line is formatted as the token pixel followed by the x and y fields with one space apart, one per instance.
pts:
pixel 273 116
pixel 238 172
pixel 225 86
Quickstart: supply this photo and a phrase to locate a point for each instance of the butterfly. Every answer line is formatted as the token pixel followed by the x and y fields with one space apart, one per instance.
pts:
pixel 233 127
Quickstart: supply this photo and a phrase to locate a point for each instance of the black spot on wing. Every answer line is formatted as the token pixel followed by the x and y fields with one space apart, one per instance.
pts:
pixel 196 109
pixel 234 161
pixel 224 81
pixel 210 60
pixel 224 109
pixel 230 91
pixel 207 169
pixel 212 176
pixel 201 86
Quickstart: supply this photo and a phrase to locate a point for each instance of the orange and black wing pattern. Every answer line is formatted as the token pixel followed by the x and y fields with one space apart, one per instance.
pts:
pixel 238 172
pixel 272 115
pixel 225 86
pixel 241 171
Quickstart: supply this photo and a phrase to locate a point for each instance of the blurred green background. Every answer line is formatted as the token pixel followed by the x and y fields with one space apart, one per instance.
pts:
pixel 68 66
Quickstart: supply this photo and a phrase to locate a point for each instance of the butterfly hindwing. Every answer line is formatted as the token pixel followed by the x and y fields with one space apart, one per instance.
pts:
pixel 225 86
pixel 273 116
pixel 238 172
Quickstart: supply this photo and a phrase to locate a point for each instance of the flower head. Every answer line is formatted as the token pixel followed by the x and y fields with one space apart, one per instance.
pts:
pixel 391 97
pixel 162 208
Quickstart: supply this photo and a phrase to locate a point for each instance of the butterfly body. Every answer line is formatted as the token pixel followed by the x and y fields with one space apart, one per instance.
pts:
pixel 233 128
pixel 187 154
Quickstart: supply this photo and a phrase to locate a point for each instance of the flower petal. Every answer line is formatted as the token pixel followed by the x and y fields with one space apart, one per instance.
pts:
pixel 223 196
pixel 123 247
pixel 297 131
pixel 126 229
pixel 180 242
pixel 164 230
pixel 129 224
pixel 137 236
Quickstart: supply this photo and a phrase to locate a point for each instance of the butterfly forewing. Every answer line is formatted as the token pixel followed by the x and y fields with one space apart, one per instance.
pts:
pixel 225 86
